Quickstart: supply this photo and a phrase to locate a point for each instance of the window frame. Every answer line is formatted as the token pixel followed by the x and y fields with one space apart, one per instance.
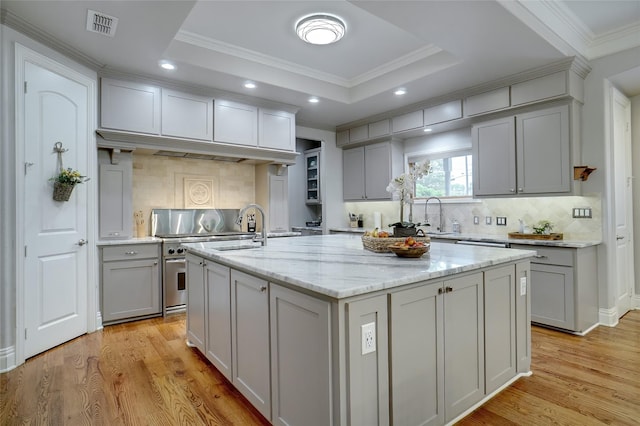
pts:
pixel 413 157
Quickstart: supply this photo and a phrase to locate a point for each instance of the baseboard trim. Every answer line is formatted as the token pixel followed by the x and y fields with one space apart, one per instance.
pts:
pixel 7 359
pixel 608 317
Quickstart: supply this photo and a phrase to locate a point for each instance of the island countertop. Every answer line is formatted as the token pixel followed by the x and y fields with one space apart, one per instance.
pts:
pixel 338 266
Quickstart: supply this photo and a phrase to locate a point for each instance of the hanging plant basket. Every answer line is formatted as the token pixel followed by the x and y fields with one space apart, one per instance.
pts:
pixel 62 191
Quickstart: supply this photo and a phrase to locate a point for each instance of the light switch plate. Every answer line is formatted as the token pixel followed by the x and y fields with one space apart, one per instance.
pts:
pixel 487 220
pixel 476 220
pixel 523 286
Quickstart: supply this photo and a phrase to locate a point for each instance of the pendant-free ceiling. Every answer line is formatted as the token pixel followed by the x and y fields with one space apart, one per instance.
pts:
pixel 321 28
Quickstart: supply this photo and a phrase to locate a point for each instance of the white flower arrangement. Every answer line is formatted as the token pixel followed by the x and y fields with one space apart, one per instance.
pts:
pixel 402 188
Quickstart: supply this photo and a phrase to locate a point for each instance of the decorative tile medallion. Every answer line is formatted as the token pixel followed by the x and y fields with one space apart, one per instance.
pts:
pixel 198 193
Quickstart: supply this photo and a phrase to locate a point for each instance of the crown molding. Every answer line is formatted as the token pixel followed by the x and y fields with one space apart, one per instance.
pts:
pixel 17 23
pixel 611 42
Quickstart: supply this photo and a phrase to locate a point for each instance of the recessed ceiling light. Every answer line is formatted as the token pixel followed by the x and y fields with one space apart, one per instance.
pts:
pixel 167 65
pixel 320 28
pixel 401 91
pixel 314 100
pixel 428 129
pixel 250 85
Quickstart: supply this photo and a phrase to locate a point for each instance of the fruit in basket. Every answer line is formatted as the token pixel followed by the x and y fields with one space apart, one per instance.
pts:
pixel 383 234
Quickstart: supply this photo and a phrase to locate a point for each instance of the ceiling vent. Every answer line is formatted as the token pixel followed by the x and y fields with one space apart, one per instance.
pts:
pixel 100 23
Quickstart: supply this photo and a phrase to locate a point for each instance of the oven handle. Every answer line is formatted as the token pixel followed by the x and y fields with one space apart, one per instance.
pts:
pixel 177 260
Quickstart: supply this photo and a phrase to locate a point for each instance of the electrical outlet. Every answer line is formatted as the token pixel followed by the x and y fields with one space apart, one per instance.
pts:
pixel 501 221
pixel 487 220
pixel 476 220
pixel 523 286
pixel 582 213
pixel 368 338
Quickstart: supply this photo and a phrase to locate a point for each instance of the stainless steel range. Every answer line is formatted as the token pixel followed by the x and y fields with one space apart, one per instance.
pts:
pixel 177 226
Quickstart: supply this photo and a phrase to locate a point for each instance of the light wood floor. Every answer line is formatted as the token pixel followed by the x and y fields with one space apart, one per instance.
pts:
pixel 142 373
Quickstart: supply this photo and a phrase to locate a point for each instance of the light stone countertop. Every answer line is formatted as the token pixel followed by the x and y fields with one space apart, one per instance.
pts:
pixel 505 239
pixel 141 240
pixel 338 266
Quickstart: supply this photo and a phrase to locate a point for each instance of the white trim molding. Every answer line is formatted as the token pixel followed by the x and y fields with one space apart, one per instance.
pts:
pixel 608 317
pixel 7 359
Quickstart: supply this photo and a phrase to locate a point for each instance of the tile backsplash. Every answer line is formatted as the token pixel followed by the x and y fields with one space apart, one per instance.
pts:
pixel 557 210
pixel 161 182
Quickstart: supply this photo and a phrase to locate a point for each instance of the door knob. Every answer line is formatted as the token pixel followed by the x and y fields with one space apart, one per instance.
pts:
pixel 82 242
pixel 619 237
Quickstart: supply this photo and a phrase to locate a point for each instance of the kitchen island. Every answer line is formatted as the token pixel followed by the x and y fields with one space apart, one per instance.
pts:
pixel 318 330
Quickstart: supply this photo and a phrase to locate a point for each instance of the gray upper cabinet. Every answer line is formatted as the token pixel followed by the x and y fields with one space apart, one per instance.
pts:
pixel 527 154
pixel 187 116
pixel 235 123
pixel 379 128
pixel 487 102
pixel 115 195
pixel 277 129
pixel 368 170
pixel 359 133
pixel 409 121
pixel 129 106
pixel 546 87
pixel 342 138
pixel 444 112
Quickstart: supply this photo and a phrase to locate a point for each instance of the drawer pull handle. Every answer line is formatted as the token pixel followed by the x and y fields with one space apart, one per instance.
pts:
pixel 130 253
pixel 448 289
pixel 540 256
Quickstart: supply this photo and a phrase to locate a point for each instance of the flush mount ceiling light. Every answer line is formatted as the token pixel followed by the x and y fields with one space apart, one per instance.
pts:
pixel 320 28
pixel 167 65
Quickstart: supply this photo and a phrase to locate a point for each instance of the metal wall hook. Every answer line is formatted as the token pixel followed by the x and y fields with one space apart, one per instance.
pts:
pixel 57 147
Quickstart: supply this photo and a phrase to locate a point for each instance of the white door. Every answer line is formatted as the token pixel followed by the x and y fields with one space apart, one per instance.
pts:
pixel 623 214
pixel 55 264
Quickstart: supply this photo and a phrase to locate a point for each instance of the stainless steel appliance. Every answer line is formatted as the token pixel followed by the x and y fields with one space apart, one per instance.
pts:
pixel 177 226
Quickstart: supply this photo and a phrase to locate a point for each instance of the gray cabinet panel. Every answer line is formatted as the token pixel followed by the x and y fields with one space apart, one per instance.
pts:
pixel 250 339
pixel 494 157
pixel 353 173
pixel 546 87
pixel 196 302
pixel 523 317
pixel 130 289
pixel 543 161
pixel 115 196
pixel 235 123
pixel 444 112
pixel 377 171
pixel 130 252
pixel 488 101
pixel 300 358
pixel 218 325
pixel 187 116
pixel 380 128
pixel 276 129
pixel 411 120
pixel 552 295
pixel 417 356
pixel 464 343
pixel 359 133
pixel 500 327
pixel 129 106
pixel 368 374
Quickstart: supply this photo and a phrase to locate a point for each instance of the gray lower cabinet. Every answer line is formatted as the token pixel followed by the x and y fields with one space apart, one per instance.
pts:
pixel 196 302
pixel 300 358
pixel 130 282
pixel 564 291
pixel 218 317
pixel 250 339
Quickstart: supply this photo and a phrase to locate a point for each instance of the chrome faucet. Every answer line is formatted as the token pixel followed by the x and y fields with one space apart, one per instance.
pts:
pixel 263 238
pixel 441 226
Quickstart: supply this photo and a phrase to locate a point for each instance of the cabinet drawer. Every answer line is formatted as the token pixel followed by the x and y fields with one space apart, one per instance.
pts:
pixel 130 252
pixel 549 255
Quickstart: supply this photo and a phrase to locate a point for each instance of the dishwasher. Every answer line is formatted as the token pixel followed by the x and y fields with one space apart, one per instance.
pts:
pixel 483 244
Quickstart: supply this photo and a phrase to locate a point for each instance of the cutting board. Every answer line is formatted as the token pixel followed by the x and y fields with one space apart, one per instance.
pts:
pixel 552 236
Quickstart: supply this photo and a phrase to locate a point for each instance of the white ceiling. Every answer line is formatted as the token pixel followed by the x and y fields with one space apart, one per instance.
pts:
pixel 430 47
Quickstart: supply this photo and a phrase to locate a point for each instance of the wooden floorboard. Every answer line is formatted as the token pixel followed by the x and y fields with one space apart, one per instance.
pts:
pixel 143 373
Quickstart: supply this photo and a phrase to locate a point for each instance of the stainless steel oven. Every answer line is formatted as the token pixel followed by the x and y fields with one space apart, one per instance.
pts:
pixel 175 284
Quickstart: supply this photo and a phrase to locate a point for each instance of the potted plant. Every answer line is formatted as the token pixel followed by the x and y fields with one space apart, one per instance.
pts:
pixel 402 188
pixel 64 183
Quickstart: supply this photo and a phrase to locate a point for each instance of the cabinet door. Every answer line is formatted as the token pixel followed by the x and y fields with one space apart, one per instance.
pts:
pixel 301 365
pixel 313 181
pixel 196 302
pixel 187 116
pixel 250 337
pixel 129 106
pixel 235 123
pixel 278 203
pixel 552 295
pixel 377 171
pixel 130 289
pixel 417 356
pixel 368 373
pixel 353 173
pixel 277 129
pixel 218 342
pixel 499 326
pixel 115 197
pixel 494 157
pixel 543 151
pixel 463 344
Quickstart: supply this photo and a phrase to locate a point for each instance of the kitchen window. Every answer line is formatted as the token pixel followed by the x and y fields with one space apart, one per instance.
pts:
pixel 451 175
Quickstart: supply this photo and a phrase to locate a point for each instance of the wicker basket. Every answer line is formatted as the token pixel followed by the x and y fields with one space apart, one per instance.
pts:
pixel 62 191
pixel 381 245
